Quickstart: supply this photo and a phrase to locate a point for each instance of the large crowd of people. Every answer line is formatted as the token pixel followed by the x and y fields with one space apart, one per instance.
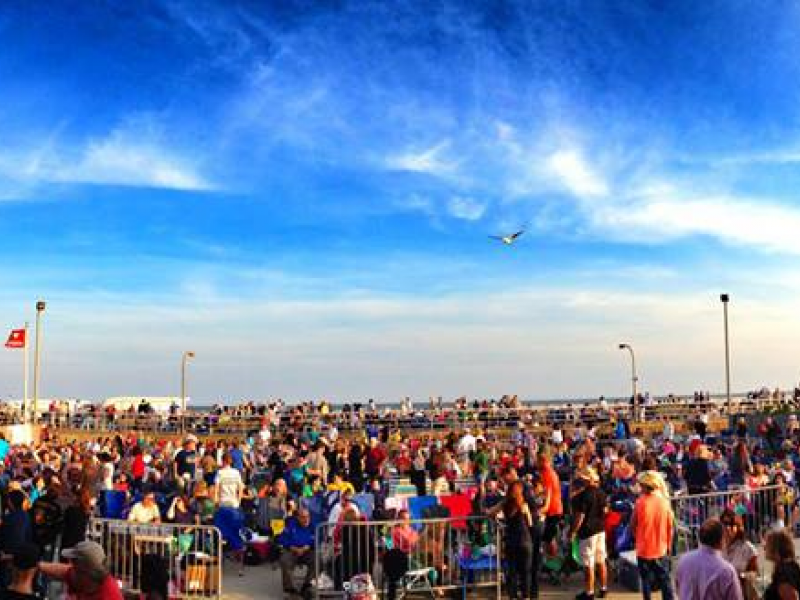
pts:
pixel 548 487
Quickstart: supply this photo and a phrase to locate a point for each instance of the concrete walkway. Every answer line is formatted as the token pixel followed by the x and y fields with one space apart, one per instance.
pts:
pixel 264 581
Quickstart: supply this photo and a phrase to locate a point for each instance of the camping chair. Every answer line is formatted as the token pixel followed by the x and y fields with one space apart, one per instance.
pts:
pixel 396 572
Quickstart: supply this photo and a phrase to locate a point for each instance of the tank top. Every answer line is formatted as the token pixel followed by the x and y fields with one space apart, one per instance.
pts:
pixel 517 532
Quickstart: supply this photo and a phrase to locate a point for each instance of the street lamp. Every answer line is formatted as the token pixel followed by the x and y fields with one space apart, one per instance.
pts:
pixel 184 361
pixel 40 306
pixel 724 298
pixel 634 378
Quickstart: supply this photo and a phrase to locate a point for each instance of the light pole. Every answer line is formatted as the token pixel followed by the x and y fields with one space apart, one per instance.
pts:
pixel 724 298
pixel 634 378
pixel 184 361
pixel 40 306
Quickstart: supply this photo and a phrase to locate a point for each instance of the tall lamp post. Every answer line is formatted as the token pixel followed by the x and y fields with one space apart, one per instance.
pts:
pixel 634 378
pixel 725 299
pixel 40 306
pixel 184 362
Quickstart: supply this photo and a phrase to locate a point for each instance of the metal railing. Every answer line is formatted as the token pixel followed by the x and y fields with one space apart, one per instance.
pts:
pixel 421 421
pixel 443 554
pixel 191 555
pixel 761 509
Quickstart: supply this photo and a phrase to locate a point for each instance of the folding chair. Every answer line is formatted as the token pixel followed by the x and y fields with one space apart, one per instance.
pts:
pixel 396 573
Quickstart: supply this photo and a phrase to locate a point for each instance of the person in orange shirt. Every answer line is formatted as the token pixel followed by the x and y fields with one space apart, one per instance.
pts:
pixel 552 509
pixel 652 524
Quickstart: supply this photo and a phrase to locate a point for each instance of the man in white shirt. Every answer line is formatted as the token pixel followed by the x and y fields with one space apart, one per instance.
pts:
pixel 229 484
pixel 466 444
pixel 146 511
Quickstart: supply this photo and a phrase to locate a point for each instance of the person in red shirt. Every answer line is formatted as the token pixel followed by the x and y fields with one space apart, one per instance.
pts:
pixel 552 509
pixel 137 468
pixel 86 577
pixel 376 456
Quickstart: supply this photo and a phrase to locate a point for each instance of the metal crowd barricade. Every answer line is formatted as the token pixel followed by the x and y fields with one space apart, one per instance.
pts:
pixel 761 509
pixel 191 554
pixel 441 555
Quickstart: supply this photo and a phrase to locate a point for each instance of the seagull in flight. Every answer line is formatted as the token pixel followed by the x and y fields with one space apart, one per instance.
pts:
pixel 507 239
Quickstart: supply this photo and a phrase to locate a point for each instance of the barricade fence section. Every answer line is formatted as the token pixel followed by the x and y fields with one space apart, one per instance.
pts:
pixel 190 556
pixel 423 555
pixel 761 510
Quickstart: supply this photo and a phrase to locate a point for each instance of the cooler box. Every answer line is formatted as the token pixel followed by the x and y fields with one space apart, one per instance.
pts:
pixel 201 576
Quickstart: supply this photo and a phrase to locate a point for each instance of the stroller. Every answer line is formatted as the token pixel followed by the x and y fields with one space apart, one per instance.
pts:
pixel 559 568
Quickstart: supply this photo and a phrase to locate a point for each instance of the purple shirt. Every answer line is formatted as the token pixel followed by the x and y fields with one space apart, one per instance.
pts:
pixel 703 574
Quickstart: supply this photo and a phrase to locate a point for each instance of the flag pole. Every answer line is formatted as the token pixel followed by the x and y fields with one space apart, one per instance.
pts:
pixel 25 376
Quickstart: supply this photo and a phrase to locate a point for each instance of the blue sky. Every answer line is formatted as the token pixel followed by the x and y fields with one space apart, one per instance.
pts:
pixel 301 192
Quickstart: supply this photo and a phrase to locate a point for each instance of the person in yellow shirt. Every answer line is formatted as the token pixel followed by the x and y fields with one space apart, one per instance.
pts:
pixel 340 485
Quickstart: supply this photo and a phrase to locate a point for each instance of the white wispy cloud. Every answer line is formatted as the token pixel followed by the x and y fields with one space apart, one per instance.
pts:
pixel 121 159
pixel 466 208
pixel 576 174
pixel 135 154
pixel 432 161
pixel 757 223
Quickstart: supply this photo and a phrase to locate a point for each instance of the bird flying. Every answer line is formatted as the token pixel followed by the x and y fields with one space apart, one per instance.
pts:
pixel 507 239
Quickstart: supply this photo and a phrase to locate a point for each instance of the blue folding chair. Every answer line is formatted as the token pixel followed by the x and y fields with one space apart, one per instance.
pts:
pixel 417 506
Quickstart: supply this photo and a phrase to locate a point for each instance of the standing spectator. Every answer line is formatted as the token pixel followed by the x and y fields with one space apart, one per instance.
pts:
pixel 86 577
pixel 48 519
pixel 652 524
pixel 375 458
pixel 229 484
pixel 76 519
pixel 704 574
pixel 740 465
pixel 186 461
pixel 317 464
pixel 741 553
pixel 138 468
pixel 697 472
pixel 785 584
pixel 16 528
pixel 552 508
pixel 518 543
pixel 589 508
pixel 24 564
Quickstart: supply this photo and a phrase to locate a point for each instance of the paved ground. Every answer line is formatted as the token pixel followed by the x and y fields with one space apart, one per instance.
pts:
pixel 264 582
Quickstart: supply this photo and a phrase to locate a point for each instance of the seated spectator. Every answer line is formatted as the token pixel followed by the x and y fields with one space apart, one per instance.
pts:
pixel 404 536
pixel 181 511
pixel 146 511
pixel 202 505
pixel 297 542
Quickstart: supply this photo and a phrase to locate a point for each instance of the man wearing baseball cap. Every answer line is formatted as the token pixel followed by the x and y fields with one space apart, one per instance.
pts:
pixel 24 562
pixel 86 575
pixel 589 507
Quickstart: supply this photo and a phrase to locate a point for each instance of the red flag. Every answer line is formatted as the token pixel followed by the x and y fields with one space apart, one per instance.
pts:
pixel 16 339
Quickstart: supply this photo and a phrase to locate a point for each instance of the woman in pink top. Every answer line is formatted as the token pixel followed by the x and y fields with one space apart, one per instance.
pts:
pixel 404 536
